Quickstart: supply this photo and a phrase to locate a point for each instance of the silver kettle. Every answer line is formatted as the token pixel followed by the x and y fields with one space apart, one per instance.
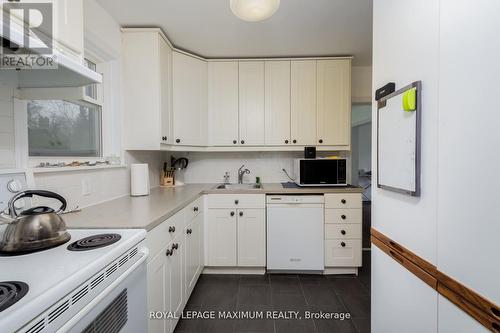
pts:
pixel 36 228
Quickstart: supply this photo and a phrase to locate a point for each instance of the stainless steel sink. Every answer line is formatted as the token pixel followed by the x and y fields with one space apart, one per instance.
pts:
pixel 239 186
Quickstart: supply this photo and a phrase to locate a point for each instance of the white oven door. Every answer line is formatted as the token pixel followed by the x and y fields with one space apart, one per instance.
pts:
pixel 121 307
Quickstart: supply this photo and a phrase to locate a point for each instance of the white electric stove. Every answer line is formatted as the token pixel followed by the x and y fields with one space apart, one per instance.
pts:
pixel 93 283
pixel 72 288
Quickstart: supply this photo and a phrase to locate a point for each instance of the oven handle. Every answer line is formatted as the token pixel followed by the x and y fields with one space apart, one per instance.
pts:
pixel 83 312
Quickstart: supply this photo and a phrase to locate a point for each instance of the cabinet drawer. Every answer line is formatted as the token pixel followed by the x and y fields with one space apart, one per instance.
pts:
pixel 193 209
pixel 342 231
pixel 164 233
pixel 348 255
pixel 341 200
pixel 343 215
pixel 236 201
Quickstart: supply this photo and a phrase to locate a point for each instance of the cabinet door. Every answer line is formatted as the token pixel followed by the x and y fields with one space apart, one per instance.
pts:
pixel 166 91
pixel 251 102
pixel 158 289
pixel 175 267
pixel 221 237
pixel 190 107
pixel 277 102
pixel 141 90
pixel 303 102
pixel 192 254
pixel 334 102
pixel 251 237
pixel 69 17
pixel 223 103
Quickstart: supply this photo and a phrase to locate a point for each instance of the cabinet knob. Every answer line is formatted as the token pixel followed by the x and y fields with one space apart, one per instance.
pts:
pixel 343 217
pixel 343 201
pixel 235 142
pixel 242 142
pixel 171 229
pixel 342 232
pixel 169 253
pixel 320 140
pixel 236 202
pixel 178 140
pixel 241 213
pixel 195 209
pixel 164 138
pixel 294 141
pixel 189 231
pixel 175 246
pixel 286 141
pixel 232 213
pixel 342 244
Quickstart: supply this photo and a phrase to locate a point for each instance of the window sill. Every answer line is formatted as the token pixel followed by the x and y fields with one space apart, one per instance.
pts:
pixel 78 168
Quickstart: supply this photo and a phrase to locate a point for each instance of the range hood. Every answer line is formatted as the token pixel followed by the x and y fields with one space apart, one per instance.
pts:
pixel 69 72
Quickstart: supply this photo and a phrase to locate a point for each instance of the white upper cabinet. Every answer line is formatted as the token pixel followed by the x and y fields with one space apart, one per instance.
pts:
pixel 277 102
pixel 66 30
pixel 190 100
pixel 251 102
pixel 166 92
pixel 303 102
pixel 223 103
pixel 147 98
pixel 70 24
pixel 334 102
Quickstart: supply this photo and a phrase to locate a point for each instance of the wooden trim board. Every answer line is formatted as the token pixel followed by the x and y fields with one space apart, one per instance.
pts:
pixel 478 307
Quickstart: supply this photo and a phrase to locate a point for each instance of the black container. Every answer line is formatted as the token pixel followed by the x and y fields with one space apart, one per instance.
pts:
pixel 309 152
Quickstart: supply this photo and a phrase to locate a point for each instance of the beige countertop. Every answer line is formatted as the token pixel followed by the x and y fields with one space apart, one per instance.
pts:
pixel 149 211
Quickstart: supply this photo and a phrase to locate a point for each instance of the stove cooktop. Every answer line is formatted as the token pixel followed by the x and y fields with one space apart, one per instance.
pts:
pixel 11 292
pixel 94 242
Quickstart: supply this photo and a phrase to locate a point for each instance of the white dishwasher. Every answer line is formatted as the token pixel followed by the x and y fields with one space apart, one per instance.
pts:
pixel 295 233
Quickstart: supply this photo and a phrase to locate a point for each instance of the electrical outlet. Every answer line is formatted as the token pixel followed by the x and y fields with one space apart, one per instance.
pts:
pixel 86 188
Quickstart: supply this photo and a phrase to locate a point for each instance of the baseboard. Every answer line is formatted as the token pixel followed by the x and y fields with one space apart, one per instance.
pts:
pixel 235 270
pixel 341 270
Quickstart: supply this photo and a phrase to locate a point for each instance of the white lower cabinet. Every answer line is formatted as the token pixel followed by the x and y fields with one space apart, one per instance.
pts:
pixel 343 222
pixel 175 264
pixel 221 237
pixel 193 264
pixel 251 237
pixel 236 236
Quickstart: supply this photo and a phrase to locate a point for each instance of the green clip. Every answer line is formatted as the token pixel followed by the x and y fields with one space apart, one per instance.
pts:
pixel 410 100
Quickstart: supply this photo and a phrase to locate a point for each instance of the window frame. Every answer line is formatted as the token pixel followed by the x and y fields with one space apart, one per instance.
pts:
pixel 72 157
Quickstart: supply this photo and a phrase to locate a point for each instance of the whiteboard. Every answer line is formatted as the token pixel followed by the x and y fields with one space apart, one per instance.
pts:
pixel 398 143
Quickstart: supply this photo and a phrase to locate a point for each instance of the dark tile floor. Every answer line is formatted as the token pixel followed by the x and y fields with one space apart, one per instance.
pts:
pixel 339 294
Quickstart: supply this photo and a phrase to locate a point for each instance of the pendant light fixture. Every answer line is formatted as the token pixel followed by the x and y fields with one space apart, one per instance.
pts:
pixel 254 10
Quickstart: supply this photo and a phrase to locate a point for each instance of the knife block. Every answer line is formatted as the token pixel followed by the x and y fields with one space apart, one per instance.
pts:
pixel 167 181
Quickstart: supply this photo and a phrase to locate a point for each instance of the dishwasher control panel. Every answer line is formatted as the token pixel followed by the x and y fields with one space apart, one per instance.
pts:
pixel 295 199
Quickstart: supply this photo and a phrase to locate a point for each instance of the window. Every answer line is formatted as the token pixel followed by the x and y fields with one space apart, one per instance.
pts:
pixel 67 128
pixel 91 89
pixel 61 128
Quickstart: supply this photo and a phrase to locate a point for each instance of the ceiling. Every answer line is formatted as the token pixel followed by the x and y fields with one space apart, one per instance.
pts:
pixel 299 28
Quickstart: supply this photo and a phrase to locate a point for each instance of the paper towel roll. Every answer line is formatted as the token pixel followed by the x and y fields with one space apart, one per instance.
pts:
pixel 139 179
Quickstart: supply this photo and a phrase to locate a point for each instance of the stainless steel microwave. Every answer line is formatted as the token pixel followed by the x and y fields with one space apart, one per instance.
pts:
pixel 320 172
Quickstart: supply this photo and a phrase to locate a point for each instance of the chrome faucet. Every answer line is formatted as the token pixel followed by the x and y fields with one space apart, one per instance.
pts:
pixel 241 172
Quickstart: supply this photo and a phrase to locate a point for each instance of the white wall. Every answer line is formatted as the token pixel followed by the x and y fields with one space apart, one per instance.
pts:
pixel 406 49
pixel 454 224
pixel 469 210
pixel 7 135
pixel 361 83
